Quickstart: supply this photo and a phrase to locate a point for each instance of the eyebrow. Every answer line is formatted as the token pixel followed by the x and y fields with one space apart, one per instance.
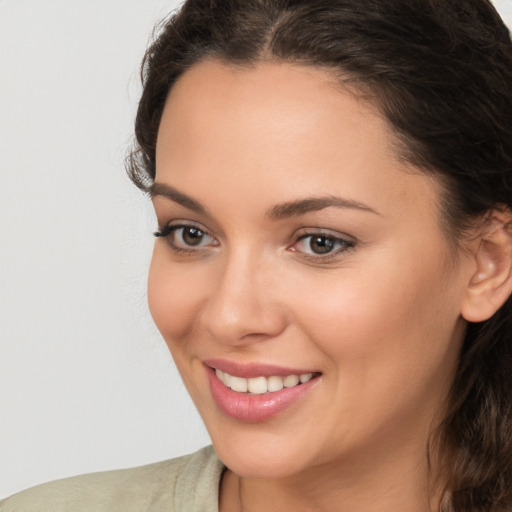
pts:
pixel 313 204
pixel 277 212
pixel 160 189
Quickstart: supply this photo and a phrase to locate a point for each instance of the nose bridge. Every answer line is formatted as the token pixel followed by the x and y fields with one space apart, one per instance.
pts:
pixel 241 305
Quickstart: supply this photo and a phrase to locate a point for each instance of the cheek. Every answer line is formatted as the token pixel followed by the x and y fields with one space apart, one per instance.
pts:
pixel 389 344
pixel 173 298
pixel 388 321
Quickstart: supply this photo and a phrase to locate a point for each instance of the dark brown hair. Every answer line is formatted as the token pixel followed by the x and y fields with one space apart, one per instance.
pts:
pixel 440 71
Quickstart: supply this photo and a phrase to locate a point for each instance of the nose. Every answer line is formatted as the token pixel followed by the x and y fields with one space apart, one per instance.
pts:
pixel 243 307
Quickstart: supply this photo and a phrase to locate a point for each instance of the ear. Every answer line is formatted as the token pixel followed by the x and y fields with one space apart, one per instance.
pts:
pixel 491 284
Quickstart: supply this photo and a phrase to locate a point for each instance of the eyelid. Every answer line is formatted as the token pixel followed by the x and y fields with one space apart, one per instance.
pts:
pixel 175 225
pixel 346 243
pixel 180 223
pixel 303 232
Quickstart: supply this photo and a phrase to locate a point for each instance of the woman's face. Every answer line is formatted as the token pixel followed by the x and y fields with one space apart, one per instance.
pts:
pixel 296 243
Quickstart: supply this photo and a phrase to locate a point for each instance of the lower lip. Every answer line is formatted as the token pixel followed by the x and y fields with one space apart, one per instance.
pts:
pixel 255 408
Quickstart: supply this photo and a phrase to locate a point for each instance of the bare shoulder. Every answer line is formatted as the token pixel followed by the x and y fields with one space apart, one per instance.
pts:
pixel 146 488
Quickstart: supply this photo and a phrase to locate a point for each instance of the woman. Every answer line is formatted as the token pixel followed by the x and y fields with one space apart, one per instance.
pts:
pixel 333 264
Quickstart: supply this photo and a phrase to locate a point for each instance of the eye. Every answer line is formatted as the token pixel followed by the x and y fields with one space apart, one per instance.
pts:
pixel 321 244
pixel 186 237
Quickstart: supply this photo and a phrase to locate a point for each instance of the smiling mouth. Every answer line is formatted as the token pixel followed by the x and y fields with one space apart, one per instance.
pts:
pixel 257 392
pixel 262 385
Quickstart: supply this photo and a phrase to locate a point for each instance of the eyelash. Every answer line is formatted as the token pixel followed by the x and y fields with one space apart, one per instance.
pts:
pixel 338 244
pixel 170 230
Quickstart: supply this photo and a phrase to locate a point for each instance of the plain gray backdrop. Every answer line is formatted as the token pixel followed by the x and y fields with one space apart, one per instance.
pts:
pixel 86 383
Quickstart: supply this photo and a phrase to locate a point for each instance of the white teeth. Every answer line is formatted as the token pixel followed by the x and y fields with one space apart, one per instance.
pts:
pixel 226 378
pixel 238 384
pixel 275 383
pixel 223 377
pixel 261 385
pixel 291 380
pixel 258 386
pixel 305 377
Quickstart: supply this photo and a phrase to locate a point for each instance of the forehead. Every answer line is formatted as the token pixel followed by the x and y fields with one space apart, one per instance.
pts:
pixel 276 131
pixel 282 97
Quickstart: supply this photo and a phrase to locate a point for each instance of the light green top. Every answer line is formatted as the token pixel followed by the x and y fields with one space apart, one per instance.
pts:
pixel 185 484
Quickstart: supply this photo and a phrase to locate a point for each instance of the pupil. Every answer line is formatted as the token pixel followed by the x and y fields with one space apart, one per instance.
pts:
pixel 192 236
pixel 321 244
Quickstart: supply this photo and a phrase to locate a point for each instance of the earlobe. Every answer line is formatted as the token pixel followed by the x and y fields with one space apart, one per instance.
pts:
pixel 491 283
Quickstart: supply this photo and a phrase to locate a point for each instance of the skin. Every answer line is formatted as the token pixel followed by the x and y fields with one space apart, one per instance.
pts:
pixel 380 318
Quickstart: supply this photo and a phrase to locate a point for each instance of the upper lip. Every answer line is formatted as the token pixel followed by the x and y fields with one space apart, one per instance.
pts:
pixel 251 370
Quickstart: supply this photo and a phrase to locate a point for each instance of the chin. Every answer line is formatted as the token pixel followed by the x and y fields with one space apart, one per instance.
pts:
pixel 262 455
pixel 258 464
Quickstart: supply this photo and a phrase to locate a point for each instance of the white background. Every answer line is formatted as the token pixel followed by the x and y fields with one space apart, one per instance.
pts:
pixel 86 383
